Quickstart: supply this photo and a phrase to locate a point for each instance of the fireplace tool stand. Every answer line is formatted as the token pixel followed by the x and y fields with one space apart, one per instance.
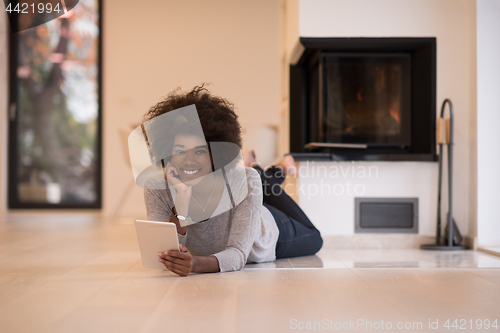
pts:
pixel 454 237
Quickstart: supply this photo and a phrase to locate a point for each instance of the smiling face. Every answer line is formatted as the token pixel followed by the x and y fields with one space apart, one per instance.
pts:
pixel 191 157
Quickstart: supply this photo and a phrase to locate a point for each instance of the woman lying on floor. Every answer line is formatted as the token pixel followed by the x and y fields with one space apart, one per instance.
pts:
pixel 265 225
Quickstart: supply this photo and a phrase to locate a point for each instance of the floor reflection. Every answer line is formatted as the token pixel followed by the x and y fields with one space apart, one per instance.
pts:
pixel 387 258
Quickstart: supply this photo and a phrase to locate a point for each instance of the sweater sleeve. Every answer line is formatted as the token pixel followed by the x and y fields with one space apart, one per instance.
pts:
pixel 245 226
pixel 159 209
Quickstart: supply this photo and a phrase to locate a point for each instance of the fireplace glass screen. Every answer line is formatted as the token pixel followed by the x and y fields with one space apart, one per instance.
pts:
pixel 365 98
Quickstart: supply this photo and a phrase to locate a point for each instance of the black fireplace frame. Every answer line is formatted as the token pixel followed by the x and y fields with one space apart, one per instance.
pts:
pixel 423 98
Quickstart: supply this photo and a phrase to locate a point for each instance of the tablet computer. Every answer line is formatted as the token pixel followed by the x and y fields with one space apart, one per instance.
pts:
pixel 155 237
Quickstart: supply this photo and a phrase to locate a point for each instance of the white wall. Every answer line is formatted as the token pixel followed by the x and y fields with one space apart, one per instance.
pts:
pixel 488 121
pixel 235 45
pixel 3 109
pixel 450 21
pixel 288 37
pixel 148 53
pixel 472 37
pixel 327 191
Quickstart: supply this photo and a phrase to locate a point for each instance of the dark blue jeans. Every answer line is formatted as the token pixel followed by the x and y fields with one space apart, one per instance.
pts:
pixel 297 235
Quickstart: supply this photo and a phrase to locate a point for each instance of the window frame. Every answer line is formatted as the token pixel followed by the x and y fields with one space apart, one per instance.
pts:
pixel 12 168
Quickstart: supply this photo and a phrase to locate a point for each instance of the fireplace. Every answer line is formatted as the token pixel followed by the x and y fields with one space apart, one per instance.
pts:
pixel 363 99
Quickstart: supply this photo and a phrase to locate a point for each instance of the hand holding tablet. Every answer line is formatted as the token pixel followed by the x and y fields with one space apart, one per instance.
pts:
pixel 155 237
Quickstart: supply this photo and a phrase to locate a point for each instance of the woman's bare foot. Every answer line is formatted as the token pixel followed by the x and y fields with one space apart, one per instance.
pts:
pixel 249 159
pixel 288 165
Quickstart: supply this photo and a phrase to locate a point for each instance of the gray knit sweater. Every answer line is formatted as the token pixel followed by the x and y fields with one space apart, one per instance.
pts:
pixel 245 233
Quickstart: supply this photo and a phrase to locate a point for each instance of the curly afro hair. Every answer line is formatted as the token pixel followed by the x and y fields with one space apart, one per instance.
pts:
pixel 217 116
pixel 218 121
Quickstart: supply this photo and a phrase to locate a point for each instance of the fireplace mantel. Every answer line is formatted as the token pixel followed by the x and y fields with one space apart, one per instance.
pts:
pixel 329 157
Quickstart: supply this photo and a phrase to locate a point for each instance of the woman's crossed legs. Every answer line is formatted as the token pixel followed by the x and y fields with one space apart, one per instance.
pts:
pixel 297 235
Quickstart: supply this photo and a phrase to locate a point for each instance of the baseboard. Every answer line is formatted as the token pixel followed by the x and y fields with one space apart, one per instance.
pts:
pixel 470 242
pixel 385 241
pixel 376 241
pixel 495 251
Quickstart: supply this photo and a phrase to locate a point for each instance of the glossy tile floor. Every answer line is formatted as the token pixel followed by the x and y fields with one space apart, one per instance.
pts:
pixel 80 274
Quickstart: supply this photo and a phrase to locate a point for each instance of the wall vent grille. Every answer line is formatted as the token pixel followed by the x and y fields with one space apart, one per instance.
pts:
pixel 386 215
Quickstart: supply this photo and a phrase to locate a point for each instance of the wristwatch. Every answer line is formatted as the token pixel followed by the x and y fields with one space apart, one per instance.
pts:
pixel 182 219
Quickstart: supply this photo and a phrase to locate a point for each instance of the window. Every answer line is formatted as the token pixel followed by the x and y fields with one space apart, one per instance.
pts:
pixel 55 112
